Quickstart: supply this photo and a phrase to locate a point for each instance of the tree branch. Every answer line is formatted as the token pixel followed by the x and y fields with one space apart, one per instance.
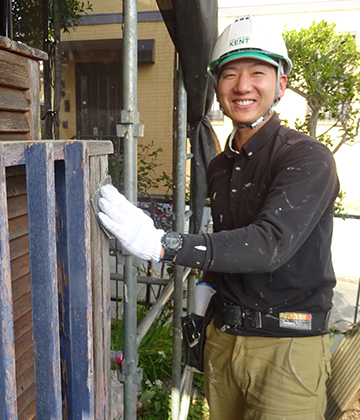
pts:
pixel 299 92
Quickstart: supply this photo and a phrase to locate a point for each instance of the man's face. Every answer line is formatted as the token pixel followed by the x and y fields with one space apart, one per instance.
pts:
pixel 246 89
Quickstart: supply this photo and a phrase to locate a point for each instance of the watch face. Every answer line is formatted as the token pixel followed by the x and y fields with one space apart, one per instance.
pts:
pixel 173 240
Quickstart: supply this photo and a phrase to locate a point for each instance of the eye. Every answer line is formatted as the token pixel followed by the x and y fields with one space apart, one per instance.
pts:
pixel 227 75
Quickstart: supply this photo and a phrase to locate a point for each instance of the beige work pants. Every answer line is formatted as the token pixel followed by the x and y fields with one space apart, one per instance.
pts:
pixel 256 378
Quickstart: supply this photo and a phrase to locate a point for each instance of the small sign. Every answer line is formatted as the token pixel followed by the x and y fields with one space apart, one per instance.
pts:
pixel 295 320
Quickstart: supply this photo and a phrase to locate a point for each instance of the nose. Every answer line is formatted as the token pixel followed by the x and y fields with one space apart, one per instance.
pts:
pixel 243 83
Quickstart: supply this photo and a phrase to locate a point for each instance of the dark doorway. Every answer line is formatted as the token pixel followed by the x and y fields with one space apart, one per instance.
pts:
pixel 98 99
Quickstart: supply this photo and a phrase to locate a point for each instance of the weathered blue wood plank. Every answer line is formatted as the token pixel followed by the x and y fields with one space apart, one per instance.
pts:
pixel 8 409
pixel 44 286
pixel 74 258
pixel 15 151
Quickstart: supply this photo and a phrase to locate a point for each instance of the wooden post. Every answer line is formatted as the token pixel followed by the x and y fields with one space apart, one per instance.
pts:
pixel 101 299
pixel 8 408
pixel 44 286
pixel 74 256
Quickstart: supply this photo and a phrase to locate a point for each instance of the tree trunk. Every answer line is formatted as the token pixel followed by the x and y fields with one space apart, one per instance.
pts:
pixel 57 67
pixel 47 115
pixel 312 122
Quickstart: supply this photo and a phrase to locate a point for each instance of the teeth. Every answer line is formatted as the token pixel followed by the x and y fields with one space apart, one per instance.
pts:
pixel 244 102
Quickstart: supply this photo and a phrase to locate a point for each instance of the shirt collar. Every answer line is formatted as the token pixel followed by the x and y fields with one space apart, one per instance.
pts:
pixel 256 142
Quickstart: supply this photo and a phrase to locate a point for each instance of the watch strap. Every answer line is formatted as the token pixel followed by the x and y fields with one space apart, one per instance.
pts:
pixel 171 249
pixel 169 255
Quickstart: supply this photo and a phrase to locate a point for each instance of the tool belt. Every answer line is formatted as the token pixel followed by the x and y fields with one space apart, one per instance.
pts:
pixel 234 319
pixel 194 336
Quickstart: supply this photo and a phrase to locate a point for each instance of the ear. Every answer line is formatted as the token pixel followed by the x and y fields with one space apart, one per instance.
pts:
pixel 282 86
pixel 216 92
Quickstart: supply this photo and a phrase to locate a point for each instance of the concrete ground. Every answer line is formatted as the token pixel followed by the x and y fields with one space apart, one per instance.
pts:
pixel 346 261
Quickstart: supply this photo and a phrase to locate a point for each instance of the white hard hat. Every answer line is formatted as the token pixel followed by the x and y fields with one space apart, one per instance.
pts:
pixel 248 37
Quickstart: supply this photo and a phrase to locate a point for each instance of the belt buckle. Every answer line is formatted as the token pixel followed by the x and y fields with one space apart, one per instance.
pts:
pixel 258 319
pixel 233 316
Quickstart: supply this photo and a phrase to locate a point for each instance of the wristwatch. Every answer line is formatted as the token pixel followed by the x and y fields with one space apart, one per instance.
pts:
pixel 171 242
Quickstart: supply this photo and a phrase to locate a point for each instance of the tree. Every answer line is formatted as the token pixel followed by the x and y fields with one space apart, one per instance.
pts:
pixel 326 72
pixel 38 23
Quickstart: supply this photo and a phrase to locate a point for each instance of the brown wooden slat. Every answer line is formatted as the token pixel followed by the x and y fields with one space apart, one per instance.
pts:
pixel 101 298
pixel 22 306
pixel 29 413
pixel 12 99
pixel 14 137
pixel 14 70
pixel 23 344
pixel 14 122
pixel 20 267
pixel 19 247
pixel 17 206
pixel 25 400
pixel 21 286
pixel 23 363
pixel 16 185
pixel 24 381
pixel 22 325
pixel 18 227
pixel 15 170
pixel 22 49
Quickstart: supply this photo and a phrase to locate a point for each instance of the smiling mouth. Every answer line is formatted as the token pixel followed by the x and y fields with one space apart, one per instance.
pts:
pixel 242 103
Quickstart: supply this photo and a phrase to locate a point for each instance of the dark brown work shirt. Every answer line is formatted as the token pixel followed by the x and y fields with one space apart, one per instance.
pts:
pixel 272 207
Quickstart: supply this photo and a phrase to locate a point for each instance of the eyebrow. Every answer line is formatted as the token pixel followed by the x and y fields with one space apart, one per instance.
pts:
pixel 257 64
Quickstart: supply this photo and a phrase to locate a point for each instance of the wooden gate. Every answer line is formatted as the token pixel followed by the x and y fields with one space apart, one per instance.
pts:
pixel 67 327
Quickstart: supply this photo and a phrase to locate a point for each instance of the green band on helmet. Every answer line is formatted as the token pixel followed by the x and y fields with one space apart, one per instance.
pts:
pixel 268 58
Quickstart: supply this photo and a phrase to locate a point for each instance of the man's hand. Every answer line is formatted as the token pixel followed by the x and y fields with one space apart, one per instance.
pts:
pixel 129 224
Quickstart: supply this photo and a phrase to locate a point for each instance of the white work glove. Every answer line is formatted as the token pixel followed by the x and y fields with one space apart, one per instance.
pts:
pixel 129 224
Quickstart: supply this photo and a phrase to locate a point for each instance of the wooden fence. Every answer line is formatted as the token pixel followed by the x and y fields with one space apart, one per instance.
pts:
pixel 55 341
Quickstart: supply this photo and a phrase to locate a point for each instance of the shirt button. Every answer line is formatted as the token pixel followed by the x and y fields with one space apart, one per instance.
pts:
pixel 234 190
pixel 250 153
pixel 237 168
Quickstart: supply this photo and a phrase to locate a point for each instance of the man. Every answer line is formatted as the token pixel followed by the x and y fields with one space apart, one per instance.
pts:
pixel 272 195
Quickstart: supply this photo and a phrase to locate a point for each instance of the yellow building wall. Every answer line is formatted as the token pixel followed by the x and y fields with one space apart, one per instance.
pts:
pixel 155 80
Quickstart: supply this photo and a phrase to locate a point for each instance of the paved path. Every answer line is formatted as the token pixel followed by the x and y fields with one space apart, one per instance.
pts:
pixel 346 260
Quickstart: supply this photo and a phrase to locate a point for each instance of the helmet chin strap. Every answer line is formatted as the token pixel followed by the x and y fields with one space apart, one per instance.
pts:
pixel 271 109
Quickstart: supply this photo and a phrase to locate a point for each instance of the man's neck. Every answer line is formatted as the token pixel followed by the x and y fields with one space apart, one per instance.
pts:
pixel 243 134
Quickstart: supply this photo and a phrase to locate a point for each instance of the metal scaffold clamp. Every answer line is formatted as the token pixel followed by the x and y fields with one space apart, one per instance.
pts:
pixel 128 118
pixel 130 368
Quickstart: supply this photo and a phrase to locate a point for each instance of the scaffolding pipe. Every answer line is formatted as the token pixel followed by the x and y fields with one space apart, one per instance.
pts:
pixel 141 279
pixel 357 307
pixel 186 385
pixel 5 19
pixel 191 292
pixel 179 190
pixel 157 308
pixel 129 122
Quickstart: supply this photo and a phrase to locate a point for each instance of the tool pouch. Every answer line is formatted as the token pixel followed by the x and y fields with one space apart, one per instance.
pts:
pixel 194 336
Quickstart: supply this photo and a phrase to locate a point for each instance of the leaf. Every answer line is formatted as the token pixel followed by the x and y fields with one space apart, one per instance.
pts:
pixel 157 406
pixel 147 395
